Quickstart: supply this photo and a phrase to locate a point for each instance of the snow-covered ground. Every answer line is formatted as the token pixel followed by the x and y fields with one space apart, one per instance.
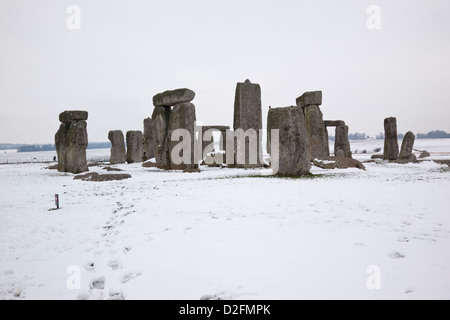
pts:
pixel 224 233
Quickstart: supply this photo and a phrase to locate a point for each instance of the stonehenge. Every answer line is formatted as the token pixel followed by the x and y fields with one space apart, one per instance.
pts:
pixel 173 139
pixel 315 126
pixel 148 149
pixel 407 147
pixel 248 116
pixel 134 146
pixel 71 141
pixel 390 139
pixel 173 110
pixel 293 152
pixel 118 153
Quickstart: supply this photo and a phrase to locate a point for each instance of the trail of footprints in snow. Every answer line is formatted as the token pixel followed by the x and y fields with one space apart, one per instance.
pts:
pixel 97 284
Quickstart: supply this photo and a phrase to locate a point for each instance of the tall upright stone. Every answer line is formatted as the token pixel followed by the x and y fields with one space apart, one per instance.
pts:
pixel 293 150
pixel 341 142
pixel 391 151
pixel 182 117
pixel 407 147
pixel 248 115
pixel 160 117
pixel 71 142
pixel 118 153
pixel 134 146
pixel 315 126
pixel 148 148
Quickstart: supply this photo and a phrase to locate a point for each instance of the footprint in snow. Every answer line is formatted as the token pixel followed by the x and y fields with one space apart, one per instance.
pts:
pixel 396 255
pixel 116 295
pixel 98 283
pixel 126 249
pixel 83 296
pixel 129 276
pixel 115 264
pixel 89 266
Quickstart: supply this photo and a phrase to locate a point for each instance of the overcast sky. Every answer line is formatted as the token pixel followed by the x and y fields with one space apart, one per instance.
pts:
pixel 128 50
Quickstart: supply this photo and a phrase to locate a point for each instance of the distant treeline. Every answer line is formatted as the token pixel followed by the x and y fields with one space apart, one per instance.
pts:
pixel 51 147
pixel 9 146
pixel 436 134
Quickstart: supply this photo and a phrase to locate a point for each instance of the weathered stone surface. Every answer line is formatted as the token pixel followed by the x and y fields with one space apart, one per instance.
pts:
pixel 341 142
pixel 313 98
pixel 173 97
pixel 334 123
pixel 390 139
pixel 293 148
pixel 182 117
pixel 96 177
pixel 159 131
pixel 248 115
pixel 447 162
pixel 134 146
pixel 148 148
pixel 317 132
pixel 411 158
pixel 109 169
pixel 74 115
pixel 407 146
pixel 338 163
pixel 424 154
pixel 62 146
pixel 118 153
pixel 149 164
pixel 71 142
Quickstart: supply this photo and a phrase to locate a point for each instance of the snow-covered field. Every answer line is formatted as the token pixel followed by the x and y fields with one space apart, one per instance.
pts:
pixel 12 156
pixel 224 233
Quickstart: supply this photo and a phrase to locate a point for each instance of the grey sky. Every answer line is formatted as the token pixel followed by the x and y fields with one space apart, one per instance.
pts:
pixel 127 51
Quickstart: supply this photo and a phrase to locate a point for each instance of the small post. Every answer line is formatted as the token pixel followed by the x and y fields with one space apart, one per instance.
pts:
pixel 57 201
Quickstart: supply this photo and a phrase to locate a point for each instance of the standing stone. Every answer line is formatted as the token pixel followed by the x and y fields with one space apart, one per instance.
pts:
pixel 160 117
pixel 173 97
pixel 390 139
pixel 71 142
pixel 148 148
pixel 134 146
pixel 341 142
pixel 118 153
pixel 294 156
pixel 248 115
pixel 317 132
pixel 182 117
pixel 407 146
